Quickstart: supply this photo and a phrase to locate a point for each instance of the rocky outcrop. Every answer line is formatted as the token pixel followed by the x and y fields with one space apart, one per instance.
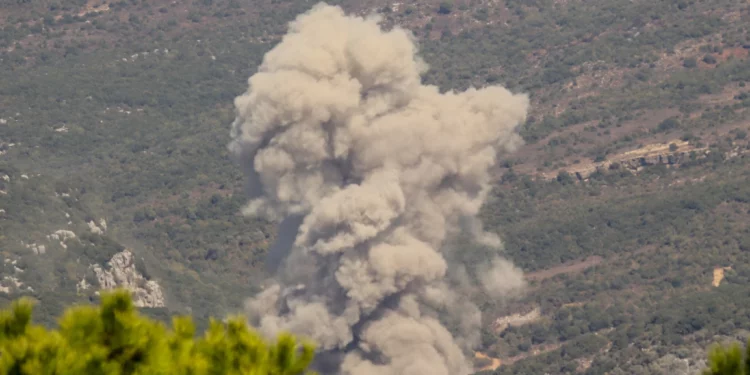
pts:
pixel 122 273
pixel 62 235
pixel 12 284
pixel 82 285
pixel 97 229
pixel 37 249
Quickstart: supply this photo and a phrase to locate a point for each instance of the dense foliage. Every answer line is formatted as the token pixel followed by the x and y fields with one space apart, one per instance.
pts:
pixel 114 339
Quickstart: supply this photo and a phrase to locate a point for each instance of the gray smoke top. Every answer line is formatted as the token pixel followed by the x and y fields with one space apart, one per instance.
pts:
pixel 371 171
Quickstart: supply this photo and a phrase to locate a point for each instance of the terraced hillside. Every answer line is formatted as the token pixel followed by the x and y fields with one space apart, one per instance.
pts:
pixel 630 191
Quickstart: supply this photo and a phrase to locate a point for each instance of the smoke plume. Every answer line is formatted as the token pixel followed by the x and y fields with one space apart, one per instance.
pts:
pixel 370 171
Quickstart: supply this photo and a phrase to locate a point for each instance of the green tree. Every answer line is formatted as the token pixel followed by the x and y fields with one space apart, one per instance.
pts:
pixel 446 7
pixel 709 59
pixel 115 339
pixel 728 360
pixel 564 178
pixel 689 62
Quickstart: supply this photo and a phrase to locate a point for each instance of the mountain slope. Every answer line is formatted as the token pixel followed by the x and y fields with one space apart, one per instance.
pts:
pixel 120 111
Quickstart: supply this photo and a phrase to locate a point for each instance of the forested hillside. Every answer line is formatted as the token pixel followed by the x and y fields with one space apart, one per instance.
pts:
pixel 627 208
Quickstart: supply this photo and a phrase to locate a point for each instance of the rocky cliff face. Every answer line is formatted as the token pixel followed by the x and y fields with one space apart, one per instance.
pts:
pixel 122 273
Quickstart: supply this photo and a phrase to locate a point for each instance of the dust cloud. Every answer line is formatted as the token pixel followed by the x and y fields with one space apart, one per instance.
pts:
pixel 371 171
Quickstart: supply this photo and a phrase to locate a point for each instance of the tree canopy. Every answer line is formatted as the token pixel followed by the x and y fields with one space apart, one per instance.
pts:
pixel 114 338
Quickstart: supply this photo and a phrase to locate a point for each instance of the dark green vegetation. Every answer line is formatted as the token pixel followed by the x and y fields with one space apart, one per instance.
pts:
pixel 647 293
pixel 122 112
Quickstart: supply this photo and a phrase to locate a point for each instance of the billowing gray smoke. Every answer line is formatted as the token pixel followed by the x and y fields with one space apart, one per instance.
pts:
pixel 372 171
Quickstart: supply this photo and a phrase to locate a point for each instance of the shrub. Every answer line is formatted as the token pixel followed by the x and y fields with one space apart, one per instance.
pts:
pixel 446 7
pixel 724 360
pixel 114 339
